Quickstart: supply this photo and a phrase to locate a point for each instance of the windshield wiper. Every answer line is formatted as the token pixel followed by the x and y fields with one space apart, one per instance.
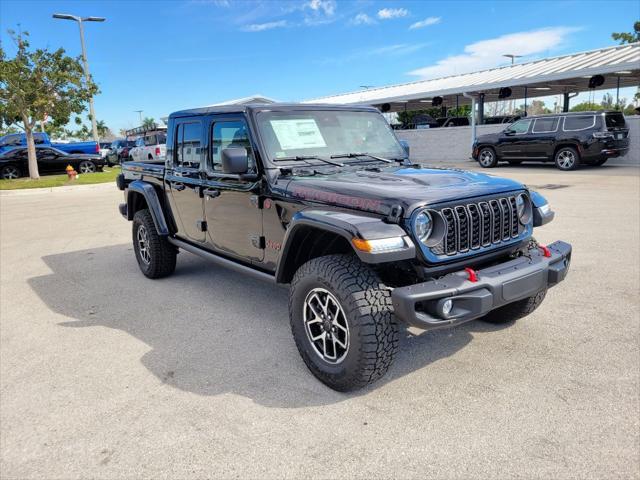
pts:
pixel 364 154
pixel 307 157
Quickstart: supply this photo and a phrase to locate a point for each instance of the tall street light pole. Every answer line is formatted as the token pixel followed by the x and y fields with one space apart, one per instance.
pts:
pixel 80 20
pixel 513 60
pixel 139 112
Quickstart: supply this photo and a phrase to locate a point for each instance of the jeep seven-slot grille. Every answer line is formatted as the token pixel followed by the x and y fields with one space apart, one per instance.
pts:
pixel 481 224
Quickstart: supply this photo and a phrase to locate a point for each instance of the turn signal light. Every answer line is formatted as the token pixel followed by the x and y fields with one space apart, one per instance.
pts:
pixel 381 245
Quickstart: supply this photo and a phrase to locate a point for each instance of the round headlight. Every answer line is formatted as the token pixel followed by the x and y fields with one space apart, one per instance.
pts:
pixel 423 226
pixel 522 206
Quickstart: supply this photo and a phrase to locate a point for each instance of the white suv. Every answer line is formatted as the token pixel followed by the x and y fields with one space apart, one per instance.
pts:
pixel 151 147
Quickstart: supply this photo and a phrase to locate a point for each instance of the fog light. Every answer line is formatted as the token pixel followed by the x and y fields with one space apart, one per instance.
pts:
pixel 446 307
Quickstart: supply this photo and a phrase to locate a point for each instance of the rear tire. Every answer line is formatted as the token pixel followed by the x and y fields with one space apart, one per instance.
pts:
pixel 342 321
pixel 567 158
pixel 155 255
pixel 487 157
pixel 87 166
pixel 516 310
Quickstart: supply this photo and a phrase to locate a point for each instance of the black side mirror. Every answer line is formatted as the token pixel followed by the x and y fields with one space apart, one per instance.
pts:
pixel 235 160
pixel 508 131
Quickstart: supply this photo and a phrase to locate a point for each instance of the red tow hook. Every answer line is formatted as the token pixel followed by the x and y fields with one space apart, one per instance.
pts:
pixel 545 251
pixel 473 276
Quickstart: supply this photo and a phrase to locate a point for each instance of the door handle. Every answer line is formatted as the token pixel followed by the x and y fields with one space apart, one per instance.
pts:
pixel 179 186
pixel 211 192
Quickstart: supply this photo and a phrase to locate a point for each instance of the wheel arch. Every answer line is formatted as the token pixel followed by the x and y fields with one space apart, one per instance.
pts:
pixel 562 145
pixel 141 195
pixel 315 233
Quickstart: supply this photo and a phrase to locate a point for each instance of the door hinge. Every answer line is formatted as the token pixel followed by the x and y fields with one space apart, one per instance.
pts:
pixel 258 242
pixel 202 225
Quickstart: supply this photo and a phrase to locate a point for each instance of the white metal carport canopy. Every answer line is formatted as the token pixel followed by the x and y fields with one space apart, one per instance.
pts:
pixel 620 66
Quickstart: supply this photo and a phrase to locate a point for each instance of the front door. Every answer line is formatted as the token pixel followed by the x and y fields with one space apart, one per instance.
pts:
pixel 513 141
pixel 231 202
pixel 184 180
pixel 51 161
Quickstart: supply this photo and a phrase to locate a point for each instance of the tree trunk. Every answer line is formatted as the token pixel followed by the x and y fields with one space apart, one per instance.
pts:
pixel 31 150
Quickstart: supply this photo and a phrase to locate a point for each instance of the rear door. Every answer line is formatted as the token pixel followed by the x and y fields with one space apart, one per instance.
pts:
pixel 542 139
pixel 231 202
pixel 184 179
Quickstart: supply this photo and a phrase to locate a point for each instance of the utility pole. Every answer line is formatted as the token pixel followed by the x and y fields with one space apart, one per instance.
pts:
pixel 80 20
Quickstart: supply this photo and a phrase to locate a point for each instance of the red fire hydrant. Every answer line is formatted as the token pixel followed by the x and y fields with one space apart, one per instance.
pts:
pixel 71 173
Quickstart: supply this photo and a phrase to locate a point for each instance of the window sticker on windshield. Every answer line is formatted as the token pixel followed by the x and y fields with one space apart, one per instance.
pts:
pixel 298 133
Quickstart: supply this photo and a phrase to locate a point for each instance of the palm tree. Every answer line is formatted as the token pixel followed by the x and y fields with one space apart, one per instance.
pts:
pixel 149 123
pixel 103 130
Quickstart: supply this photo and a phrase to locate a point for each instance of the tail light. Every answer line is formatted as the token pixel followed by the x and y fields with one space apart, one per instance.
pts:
pixel 157 151
pixel 97 148
pixel 602 135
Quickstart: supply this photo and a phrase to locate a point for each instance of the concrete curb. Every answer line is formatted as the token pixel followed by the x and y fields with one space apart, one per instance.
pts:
pixel 70 188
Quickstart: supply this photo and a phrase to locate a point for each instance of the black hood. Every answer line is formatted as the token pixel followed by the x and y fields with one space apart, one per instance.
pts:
pixel 379 191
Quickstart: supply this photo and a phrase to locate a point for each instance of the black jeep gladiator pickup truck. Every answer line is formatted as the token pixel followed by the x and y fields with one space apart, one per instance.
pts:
pixel 324 198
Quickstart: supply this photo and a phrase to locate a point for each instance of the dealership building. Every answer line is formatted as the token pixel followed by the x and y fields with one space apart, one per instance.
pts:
pixel 611 68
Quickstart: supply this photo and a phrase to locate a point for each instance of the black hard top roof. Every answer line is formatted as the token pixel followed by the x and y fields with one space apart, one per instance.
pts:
pixel 279 107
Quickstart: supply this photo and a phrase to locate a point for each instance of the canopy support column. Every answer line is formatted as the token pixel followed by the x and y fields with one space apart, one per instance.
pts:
pixel 481 109
pixel 473 116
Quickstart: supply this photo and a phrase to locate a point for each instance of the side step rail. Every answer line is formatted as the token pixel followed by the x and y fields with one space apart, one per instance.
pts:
pixel 222 261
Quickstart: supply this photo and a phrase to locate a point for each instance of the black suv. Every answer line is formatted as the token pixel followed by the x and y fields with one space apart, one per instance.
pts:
pixel 568 139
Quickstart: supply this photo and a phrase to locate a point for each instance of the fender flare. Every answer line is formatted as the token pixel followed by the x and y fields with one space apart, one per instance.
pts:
pixel 348 226
pixel 153 202
pixel 542 213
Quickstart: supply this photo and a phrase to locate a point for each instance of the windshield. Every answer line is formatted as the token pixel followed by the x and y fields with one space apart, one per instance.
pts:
pixel 614 120
pixel 324 133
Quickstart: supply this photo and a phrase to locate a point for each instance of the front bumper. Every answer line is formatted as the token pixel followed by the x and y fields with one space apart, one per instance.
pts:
pixel 420 305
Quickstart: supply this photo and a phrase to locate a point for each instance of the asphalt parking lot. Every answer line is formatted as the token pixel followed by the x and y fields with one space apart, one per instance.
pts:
pixel 106 374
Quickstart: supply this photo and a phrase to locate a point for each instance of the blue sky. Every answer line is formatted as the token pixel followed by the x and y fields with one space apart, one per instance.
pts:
pixel 161 56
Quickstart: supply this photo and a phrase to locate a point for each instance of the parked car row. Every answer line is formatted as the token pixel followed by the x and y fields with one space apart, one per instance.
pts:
pixel 14 163
pixel 424 121
pixel 568 139
pixel 149 147
pixel 14 140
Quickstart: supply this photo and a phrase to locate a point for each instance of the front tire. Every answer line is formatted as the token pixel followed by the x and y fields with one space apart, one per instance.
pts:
pixel 10 172
pixel 487 157
pixel 342 321
pixel 567 158
pixel 156 256
pixel 516 310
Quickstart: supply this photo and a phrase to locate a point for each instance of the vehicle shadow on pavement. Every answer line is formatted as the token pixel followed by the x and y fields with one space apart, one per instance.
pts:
pixel 211 330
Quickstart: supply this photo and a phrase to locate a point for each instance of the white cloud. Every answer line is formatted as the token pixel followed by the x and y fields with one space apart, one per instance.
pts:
pixel 328 7
pixel 320 12
pixel 362 19
pixel 387 13
pixel 398 49
pixel 425 23
pixel 260 27
pixel 489 53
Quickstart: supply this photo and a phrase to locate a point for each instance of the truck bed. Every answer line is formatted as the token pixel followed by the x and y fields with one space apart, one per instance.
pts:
pixel 137 170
